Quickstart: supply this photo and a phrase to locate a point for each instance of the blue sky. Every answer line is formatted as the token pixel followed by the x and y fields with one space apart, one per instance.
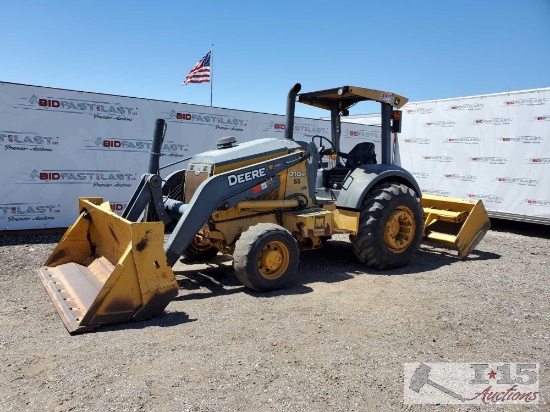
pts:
pixel 420 49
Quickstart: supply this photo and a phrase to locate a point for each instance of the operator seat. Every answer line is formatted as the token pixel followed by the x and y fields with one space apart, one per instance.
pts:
pixel 362 154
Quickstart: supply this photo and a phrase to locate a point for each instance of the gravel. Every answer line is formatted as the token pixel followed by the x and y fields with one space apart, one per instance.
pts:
pixel 336 340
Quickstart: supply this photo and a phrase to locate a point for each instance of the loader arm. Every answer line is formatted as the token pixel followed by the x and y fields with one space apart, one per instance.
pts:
pixel 213 192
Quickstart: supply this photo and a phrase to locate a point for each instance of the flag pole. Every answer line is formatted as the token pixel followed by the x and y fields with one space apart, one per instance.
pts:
pixel 211 72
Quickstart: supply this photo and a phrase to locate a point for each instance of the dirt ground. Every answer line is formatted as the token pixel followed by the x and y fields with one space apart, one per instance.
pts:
pixel 336 340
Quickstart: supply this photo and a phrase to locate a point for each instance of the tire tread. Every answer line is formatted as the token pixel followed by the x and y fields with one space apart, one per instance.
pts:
pixel 368 244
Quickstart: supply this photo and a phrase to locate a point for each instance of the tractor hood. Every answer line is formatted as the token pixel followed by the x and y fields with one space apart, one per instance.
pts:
pixel 253 150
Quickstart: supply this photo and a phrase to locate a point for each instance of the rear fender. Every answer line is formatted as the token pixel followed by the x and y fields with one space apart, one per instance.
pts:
pixel 364 178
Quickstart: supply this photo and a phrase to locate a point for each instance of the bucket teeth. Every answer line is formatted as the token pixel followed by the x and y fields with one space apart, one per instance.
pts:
pixel 73 289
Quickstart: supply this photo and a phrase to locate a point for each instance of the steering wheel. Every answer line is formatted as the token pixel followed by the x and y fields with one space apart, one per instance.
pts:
pixel 323 151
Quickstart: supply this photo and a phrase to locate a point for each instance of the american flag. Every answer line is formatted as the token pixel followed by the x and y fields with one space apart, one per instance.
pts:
pixel 200 73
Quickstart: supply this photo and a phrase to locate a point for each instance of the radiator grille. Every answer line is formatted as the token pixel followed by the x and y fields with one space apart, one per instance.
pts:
pixel 271 195
pixel 193 181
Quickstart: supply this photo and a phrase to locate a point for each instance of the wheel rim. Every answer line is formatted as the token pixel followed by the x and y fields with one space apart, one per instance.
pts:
pixel 273 260
pixel 200 244
pixel 399 229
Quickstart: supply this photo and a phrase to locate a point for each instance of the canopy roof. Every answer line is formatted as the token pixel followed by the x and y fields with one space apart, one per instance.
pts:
pixel 348 96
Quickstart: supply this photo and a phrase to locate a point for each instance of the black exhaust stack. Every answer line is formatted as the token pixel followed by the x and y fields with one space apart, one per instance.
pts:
pixel 290 104
pixel 158 137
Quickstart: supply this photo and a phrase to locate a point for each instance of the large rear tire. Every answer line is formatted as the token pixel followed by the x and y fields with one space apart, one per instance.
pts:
pixel 390 227
pixel 266 257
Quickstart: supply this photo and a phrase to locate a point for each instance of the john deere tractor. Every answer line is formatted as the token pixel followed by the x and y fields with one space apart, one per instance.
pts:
pixel 263 202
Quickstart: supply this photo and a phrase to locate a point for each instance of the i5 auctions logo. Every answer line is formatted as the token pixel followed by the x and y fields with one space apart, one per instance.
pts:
pixel 471 383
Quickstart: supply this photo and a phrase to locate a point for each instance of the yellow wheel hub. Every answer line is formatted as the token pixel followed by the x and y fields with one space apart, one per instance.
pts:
pixel 399 229
pixel 273 260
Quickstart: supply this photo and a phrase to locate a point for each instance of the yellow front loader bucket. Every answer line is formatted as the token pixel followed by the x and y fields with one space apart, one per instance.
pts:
pixel 106 269
pixel 456 223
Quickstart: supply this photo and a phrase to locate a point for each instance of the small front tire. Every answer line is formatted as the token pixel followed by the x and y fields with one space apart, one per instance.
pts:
pixel 266 257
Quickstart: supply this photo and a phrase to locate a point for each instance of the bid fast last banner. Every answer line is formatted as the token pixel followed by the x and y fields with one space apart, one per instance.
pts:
pixel 494 147
pixel 59 145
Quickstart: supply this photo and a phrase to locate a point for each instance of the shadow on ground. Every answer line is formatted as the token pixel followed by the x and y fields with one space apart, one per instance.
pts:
pixel 166 319
pixel 520 228
pixel 334 263
pixel 12 240
pixel 219 279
